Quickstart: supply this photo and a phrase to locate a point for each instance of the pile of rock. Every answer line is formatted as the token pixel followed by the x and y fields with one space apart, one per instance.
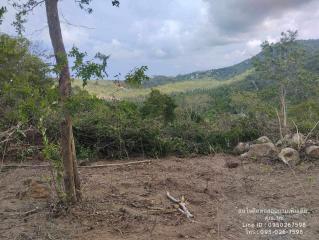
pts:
pixel 289 149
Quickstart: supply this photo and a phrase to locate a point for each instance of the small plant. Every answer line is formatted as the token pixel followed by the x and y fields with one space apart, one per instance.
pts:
pixel 266 168
pixel 51 152
pixel 311 179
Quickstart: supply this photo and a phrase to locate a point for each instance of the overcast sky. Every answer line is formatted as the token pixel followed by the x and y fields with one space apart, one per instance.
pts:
pixel 175 36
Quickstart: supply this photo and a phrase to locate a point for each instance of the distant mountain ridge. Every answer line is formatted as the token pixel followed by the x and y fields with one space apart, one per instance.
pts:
pixel 310 46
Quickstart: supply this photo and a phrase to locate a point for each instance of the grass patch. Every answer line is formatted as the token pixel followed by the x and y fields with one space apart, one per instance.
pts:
pixel 107 89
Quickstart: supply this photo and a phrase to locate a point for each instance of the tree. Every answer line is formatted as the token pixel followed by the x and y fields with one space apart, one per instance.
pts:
pixel 159 105
pixel 26 90
pixel 3 10
pixel 71 175
pixel 137 76
pixel 282 63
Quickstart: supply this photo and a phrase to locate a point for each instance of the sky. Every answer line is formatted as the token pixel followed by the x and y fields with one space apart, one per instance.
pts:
pixel 173 36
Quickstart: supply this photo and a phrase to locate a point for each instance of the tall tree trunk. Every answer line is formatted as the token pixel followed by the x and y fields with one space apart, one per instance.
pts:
pixel 71 176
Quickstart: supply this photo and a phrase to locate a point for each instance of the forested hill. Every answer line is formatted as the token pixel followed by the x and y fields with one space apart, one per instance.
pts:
pixel 310 46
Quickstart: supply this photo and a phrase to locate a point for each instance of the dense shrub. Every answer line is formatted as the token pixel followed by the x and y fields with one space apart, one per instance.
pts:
pixel 26 90
pixel 27 94
pixel 159 105
pixel 306 115
pixel 120 129
pixel 200 122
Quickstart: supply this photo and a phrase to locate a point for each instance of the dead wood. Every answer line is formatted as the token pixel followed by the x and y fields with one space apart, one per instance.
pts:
pixel 93 166
pixel 182 205
pixel 31 212
pixel 116 164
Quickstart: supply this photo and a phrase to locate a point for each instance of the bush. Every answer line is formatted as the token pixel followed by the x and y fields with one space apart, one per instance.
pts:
pixel 159 105
pixel 26 90
pixel 306 115
pixel 120 129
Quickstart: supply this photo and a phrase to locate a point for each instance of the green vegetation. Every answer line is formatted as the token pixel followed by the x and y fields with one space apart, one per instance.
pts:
pixel 27 92
pixel 109 90
pixel 310 48
pixel 200 116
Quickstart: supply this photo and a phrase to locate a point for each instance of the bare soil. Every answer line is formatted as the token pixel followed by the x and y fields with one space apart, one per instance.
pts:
pixel 129 202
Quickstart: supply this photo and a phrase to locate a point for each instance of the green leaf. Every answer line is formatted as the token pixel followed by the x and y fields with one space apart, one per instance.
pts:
pixel 137 76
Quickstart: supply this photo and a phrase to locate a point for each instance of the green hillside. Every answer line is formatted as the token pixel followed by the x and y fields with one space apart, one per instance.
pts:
pixel 239 76
pixel 311 48
pixel 217 74
pixel 107 89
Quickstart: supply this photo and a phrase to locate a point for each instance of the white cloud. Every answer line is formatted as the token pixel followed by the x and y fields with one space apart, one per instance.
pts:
pixel 74 35
pixel 115 42
pixel 160 53
pixel 116 49
pixel 254 43
pixel 177 36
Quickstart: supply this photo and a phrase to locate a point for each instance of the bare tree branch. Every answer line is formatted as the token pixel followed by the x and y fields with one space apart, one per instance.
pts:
pixel 65 21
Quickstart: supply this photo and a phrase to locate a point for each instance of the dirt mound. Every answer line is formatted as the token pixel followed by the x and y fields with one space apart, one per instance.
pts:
pixel 129 202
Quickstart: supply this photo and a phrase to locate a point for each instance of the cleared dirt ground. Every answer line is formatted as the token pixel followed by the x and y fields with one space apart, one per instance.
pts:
pixel 129 202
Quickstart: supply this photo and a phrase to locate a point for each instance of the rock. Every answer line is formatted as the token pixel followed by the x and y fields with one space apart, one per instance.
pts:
pixel 261 151
pixel 312 152
pixel 311 142
pixel 293 140
pixel 241 148
pixel 37 189
pixel 289 156
pixel 297 140
pixel 263 139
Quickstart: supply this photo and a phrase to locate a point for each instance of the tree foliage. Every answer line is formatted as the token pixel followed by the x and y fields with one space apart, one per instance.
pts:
pixel 280 61
pixel 159 105
pixel 26 89
pixel 88 69
pixel 283 64
pixel 3 10
pixel 85 5
pixel 137 76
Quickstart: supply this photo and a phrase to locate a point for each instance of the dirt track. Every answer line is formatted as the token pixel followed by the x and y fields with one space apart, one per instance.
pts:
pixel 129 202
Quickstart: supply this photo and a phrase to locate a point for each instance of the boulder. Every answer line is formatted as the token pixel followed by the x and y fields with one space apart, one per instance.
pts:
pixel 311 142
pixel 312 152
pixel 241 148
pixel 289 156
pixel 297 140
pixel 261 151
pixel 293 140
pixel 263 139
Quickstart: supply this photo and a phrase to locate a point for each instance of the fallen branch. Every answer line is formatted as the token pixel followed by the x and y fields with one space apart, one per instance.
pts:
pixel 10 131
pixel 26 166
pixel 93 166
pixel 31 212
pixel 25 214
pixel 182 205
pixel 116 164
